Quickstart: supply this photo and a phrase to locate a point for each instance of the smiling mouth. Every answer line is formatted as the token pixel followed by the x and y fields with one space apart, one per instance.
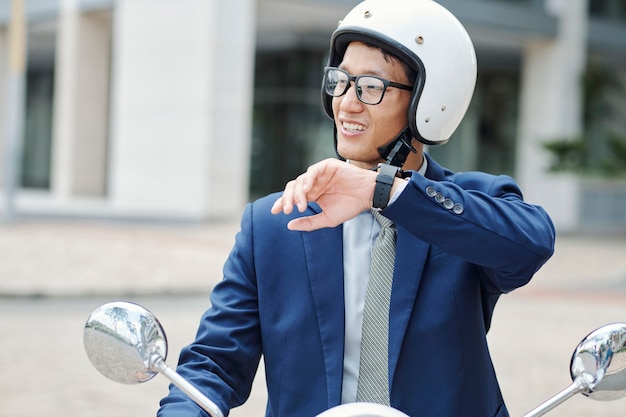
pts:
pixel 353 127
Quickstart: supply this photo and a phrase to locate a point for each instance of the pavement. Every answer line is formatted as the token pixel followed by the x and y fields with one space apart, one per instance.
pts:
pixel 53 273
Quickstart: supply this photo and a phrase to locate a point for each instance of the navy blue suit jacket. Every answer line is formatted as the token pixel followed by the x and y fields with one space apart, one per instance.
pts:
pixel 463 240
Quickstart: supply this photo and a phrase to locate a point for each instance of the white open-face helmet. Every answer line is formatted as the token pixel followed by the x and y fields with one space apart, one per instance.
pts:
pixel 428 38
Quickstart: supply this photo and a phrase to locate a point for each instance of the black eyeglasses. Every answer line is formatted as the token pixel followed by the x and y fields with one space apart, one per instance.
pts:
pixel 370 89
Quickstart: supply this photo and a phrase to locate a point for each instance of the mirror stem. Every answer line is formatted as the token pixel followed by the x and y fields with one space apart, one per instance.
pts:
pixel 199 398
pixel 579 385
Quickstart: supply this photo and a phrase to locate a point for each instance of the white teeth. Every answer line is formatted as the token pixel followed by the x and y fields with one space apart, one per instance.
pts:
pixel 353 127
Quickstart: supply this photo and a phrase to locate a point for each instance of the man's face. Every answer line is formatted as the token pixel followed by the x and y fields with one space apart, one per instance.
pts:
pixel 362 128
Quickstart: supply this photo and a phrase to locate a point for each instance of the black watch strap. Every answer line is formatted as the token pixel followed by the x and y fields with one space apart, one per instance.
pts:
pixel 384 181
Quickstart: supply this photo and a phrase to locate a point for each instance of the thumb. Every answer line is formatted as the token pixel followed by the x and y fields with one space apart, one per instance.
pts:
pixel 309 223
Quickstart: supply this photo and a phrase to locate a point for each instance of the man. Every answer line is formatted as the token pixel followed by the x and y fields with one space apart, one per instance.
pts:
pixel 400 75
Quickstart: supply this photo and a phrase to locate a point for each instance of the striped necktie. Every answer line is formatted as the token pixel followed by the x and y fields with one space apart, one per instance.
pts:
pixel 373 382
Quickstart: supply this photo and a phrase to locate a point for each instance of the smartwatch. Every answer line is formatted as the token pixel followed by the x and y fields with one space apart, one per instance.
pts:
pixel 384 181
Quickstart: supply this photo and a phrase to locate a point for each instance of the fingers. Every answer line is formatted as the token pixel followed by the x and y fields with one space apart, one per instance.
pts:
pixel 300 192
pixel 294 194
pixel 297 193
pixel 284 204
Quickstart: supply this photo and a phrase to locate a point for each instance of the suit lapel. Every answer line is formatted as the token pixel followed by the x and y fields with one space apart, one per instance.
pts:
pixel 326 280
pixel 411 256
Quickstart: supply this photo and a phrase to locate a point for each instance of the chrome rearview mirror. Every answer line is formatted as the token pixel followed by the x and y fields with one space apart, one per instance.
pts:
pixel 123 340
pixel 127 344
pixel 598 368
pixel 601 359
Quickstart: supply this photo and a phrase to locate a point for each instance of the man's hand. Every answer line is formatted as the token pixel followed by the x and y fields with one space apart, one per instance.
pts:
pixel 340 189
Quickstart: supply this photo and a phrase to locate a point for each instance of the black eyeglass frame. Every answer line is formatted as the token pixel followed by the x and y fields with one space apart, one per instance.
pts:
pixel 355 79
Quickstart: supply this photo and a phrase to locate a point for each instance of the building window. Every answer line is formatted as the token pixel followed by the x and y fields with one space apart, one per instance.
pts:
pixel 608 9
pixel 38 107
pixel 36 155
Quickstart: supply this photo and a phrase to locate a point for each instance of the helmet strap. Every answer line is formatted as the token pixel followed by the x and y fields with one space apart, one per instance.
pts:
pixel 396 151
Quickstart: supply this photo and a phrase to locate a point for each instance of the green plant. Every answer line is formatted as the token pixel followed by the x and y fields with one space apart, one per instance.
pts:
pixel 599 150
pixel 568 154
pixel 617 146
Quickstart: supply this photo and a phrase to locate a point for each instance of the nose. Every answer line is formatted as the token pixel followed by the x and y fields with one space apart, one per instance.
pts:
pixel 349 101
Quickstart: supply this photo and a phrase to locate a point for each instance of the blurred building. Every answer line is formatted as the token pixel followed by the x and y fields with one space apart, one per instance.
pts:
pixel 188 109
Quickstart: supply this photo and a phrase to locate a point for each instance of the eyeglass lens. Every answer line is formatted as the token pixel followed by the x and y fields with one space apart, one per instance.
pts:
pixel 369 89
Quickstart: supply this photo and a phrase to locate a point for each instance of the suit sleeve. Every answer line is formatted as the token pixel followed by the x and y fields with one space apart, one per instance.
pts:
pixel 482 219
pixel 223 359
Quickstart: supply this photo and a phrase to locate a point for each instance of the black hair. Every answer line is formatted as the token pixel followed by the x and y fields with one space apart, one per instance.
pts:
pixel 410 72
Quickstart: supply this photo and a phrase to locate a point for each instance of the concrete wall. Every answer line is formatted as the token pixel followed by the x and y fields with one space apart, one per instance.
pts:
pixel 181 101
pixel 80 128
pixel 3 95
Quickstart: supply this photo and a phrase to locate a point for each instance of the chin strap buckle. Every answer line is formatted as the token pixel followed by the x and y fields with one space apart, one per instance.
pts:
pixel 396 152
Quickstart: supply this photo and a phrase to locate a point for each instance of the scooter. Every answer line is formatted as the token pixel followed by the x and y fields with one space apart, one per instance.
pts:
pixel 127 344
